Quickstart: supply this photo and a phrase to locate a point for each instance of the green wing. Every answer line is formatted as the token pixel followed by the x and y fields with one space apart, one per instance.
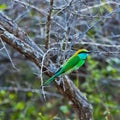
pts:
pixel 70 64
pixel 79 64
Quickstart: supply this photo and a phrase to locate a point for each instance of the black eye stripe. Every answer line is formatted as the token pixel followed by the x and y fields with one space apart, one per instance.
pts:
pixel 83 52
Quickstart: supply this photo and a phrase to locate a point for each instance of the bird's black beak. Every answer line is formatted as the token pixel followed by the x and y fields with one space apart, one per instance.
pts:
pixel 89 52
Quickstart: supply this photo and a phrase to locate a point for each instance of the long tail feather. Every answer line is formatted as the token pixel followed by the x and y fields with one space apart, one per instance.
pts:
pixel 49 80
pixel 58 73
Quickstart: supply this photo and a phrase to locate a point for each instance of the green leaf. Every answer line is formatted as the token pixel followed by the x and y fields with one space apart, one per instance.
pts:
pixel 64 109
pixel 20 106
pixel 42 117
pixel 3 6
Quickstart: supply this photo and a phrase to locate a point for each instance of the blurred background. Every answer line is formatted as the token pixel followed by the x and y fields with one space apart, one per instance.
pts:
pixel 74 24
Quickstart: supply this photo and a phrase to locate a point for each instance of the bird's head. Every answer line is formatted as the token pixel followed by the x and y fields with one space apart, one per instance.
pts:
pixel 82 53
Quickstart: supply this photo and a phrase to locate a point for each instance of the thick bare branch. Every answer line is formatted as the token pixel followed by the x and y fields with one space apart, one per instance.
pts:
pixel 14 39
pixel 20 46
pixel 83 107
pixel 12 27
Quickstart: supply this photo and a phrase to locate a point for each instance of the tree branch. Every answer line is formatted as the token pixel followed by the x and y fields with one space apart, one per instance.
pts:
pixel 11 34
pixel 48 25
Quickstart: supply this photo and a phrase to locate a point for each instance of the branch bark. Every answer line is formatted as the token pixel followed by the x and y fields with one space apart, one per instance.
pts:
pixel 17 39
pixel 48 25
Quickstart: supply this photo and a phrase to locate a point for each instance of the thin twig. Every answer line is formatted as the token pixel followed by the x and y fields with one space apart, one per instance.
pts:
pixel 87 8
pixel 1 48
pixel 8 54
pixel 114 36
pixel 48 25
pixel 33 7
pixel 99 5
pixel 41 71
pixel 63 8
pixel 42 63
pixel 98 44
pixel 79 35
pixel 21 89
pixel 91 44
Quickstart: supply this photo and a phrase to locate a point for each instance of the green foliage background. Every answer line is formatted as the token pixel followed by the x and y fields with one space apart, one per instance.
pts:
pixel 20 97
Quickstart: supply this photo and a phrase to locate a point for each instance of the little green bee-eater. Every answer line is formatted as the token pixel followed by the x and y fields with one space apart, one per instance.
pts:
pixel 73 63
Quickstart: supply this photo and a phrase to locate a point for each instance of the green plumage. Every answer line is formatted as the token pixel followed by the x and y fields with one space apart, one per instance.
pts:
pixel 73 63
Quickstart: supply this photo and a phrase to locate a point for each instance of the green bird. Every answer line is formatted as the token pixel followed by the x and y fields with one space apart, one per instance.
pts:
pixel 73 63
